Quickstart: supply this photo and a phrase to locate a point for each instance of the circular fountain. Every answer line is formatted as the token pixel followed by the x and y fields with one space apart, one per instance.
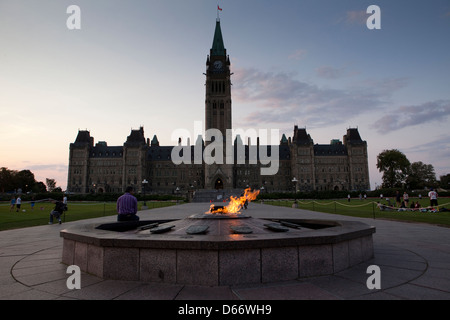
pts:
pixel 217 249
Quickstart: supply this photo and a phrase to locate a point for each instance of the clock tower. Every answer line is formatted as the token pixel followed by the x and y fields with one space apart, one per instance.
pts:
pixel 218 108
pixel 218 86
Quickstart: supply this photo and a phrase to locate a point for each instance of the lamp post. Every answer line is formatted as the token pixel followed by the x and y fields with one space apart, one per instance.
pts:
pixel 262 191
pixel 295 204
pixel 144 184
pixel 177 190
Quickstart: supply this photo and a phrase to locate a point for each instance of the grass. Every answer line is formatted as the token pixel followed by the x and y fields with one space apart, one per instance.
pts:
pixel 76 211
pixel 368 209
pixel 86 210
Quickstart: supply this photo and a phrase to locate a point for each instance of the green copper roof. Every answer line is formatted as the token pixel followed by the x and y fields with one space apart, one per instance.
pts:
pixel 155 141
pixel 218 48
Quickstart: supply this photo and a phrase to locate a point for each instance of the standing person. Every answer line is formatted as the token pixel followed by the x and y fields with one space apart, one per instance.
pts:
pixel 398 199
pixel 405 198
pixel 13 204
pixel 433 195
pixel 127 206
pixel 348 197
pixel 246 204
pixel 18 203
pixel 65 203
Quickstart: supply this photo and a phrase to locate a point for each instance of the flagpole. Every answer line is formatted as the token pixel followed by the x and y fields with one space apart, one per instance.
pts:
pixel 218 9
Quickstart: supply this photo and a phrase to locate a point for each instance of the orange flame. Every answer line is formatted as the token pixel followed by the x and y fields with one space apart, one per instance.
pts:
pixel 236 203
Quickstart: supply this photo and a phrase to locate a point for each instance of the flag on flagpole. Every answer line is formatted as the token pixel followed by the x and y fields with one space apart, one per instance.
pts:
pixel 219 8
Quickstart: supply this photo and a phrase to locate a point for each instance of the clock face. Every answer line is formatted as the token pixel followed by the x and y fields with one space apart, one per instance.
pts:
pixel 218 64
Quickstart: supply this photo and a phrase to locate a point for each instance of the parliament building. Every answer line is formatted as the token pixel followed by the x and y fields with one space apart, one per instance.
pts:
pixel 302 166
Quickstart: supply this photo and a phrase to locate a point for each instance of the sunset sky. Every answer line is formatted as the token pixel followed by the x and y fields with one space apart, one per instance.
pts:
pixel 309 63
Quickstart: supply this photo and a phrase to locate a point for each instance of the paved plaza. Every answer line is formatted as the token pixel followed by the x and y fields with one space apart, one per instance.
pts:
pixel 414 260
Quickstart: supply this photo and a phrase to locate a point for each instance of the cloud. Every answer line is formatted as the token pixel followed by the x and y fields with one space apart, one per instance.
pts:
pixel 355 17
pixel 283 98
pixel 437 147
pixel 327 72
pixel 59 167
pixel 297 55
pixel 407 116
pixel 435 152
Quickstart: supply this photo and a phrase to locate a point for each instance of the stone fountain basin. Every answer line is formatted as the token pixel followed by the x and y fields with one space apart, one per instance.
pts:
pixel 122 251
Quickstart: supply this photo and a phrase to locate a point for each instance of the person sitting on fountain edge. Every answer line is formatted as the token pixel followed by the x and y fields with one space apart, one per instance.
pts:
pixel 127 206
pixel 57 211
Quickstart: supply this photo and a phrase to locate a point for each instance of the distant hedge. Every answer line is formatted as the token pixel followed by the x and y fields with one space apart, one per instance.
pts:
pixel 87 197
pixel 331 194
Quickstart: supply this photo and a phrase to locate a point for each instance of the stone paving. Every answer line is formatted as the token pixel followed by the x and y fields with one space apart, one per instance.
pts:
pixel 414 260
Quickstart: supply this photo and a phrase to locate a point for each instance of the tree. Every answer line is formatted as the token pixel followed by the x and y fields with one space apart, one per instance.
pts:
pixel 25 180
pixel 445 181
pixel 51 184
pixel 12 181
pixel 395 166
pixel 421 175
pixel 40 187
pixel 6 180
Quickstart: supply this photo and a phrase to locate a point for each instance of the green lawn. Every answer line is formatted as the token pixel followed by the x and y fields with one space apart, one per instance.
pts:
pixel 86 210
pixel 76 211
pixel 368 209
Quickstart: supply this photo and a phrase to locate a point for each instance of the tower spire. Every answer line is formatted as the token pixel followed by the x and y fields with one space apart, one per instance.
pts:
pixel 218 48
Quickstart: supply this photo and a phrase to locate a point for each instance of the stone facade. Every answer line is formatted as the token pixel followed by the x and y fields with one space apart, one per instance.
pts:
pixel 102 168
pixel 340 165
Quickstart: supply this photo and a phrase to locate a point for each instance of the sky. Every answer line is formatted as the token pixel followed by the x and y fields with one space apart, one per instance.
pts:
pixel 137 63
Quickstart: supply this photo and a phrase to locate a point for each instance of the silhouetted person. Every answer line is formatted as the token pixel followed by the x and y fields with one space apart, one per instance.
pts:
pixel 57 212
pixel 127 206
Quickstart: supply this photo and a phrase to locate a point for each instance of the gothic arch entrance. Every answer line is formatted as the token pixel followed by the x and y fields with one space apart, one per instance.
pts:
pixel 218 184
